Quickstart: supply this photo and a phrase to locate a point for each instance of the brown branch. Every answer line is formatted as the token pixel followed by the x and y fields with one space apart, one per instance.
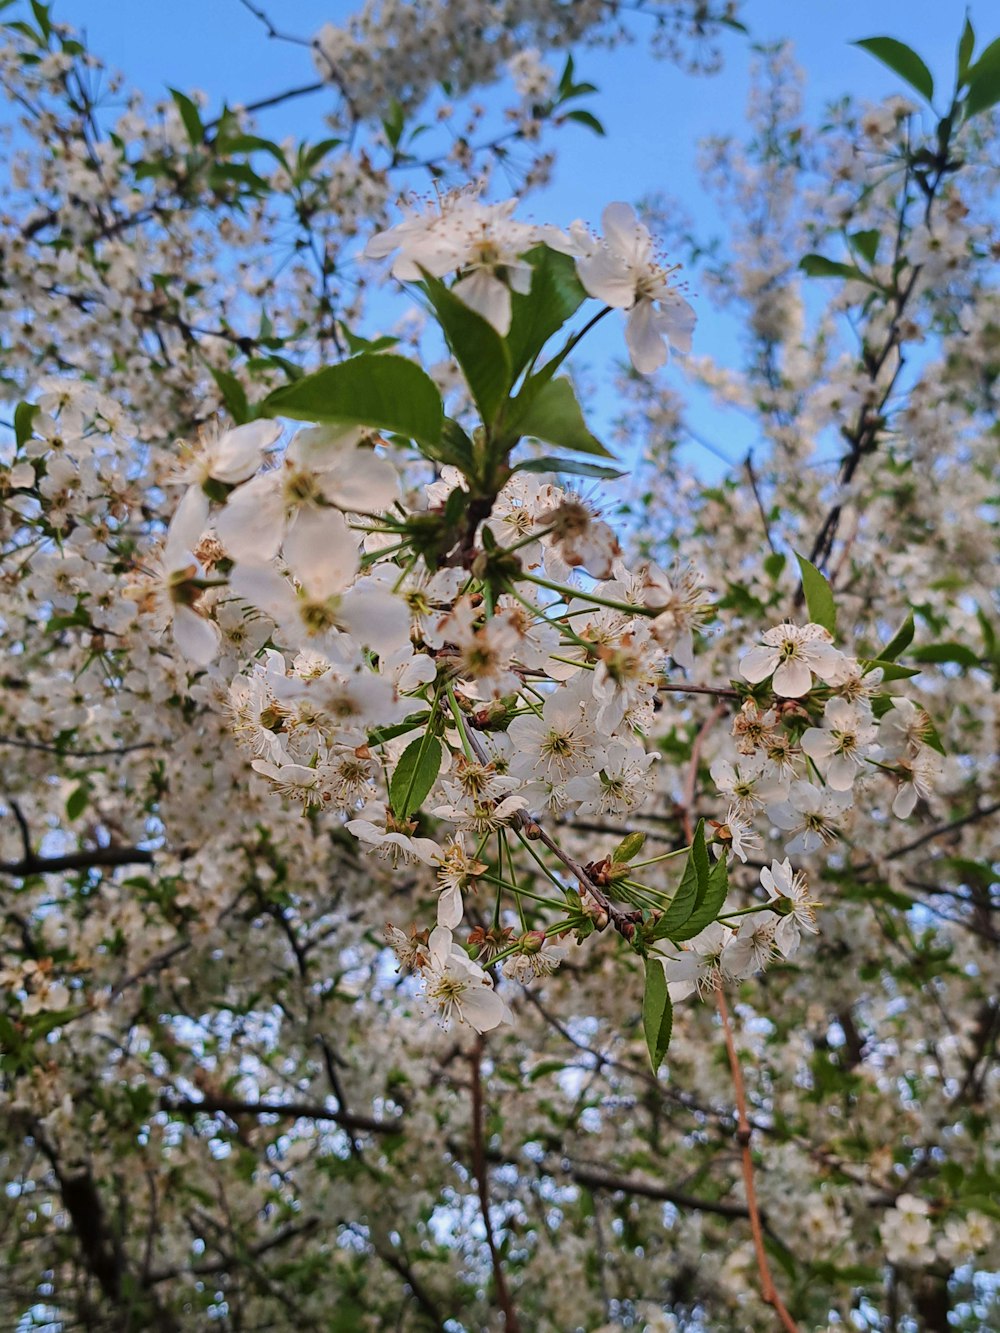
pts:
pixel 226 1262
pixel 75 754
pixel 276 99
pixel 719 692
pixel 420 1292
pixel 511 1322
pixel 768 1291
pixel 646 1189
pixel 86 860
pixel 973 817
pixel 748 464
pixel 233 1107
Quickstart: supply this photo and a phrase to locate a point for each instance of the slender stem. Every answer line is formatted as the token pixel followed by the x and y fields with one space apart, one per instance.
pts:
pixel 511 1322
pixel 768 1291
pixel 637 865
pixel 569 593
pixel 718 691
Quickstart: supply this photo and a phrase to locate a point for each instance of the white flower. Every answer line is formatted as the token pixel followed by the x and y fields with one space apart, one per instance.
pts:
pixel 623 782
pixel 171 592
pixel 839 746
pixel 743 838
pixel 902 729
pixel 622 271
pixel 579 537
pixel 229 458
pixel 906 1232
pixel 812 814
pixel 678 598
pixel 752 948
pixel 323 555
pixel 745 785
pixel 457 868
pixel 790 892
pixel 698 965
pixel 482 241
pixel 322 467
pixel 919 773
pixel 457 988
pixel 791 654
pixel 388 840
pixel 560 743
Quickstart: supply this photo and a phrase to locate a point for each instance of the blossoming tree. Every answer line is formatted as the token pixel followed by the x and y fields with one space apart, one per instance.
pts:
pixel 376 790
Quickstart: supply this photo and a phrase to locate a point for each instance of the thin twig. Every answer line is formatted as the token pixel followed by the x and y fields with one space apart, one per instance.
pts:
pixel 768 1290
pixel 511 1322
pixel 623 922
pixel 75 754
pixel 717 691
pixel 233 1107
pixel 748 464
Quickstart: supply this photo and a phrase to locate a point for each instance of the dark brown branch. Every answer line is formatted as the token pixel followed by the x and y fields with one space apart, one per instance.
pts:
pixel 748 464
pixel 973 817
pixel 75 754
pixel 228 1262
pixel 233 1107
pixel 86 860
pixel 420 1292
pixel 597 1180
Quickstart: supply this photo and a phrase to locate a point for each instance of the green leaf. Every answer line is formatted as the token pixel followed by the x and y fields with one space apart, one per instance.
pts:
pixel 932 736
pixel 818 266
pixel 191 117
pixel 477 347
pixel 382 734
pixel 865 243
pixel 900 641
pixel 76 801
pixel 984 81
pixel 711 904
pixel 41 13
pixel 233 395
pixel 316 153
pixel 556 295
pixel 966 43
pixel 902 60
pixel 418 766
pixel 453 447
pixel 585 118
pixel 250 143
pixel 774 565
pixel 572 466
pixel 629 847
pixel 819 595
pixel 959 653
pixel 690 892
pixel 890 670
pixel 355 343
pixel 24 416
pixel 384 391
pixel 393 123
pixel 550 412
pixel 657 1013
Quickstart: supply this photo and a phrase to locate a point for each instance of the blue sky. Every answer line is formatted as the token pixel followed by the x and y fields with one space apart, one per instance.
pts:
pixel 654 113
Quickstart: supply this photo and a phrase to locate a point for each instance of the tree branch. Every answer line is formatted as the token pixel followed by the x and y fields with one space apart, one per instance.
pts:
pixel 233 1107
pixel 768 1291
pixel 479 1169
